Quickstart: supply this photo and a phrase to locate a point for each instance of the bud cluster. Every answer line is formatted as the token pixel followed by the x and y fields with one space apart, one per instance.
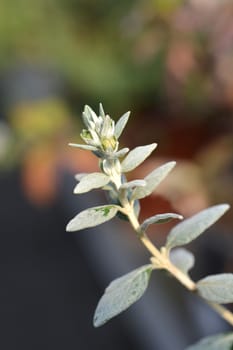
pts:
pixel 100 131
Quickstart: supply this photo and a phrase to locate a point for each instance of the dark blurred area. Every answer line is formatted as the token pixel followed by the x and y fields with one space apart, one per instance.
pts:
pixel 169 62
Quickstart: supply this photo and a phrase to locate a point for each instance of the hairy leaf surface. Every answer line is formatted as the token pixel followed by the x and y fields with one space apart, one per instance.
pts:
pixel 92 217
pixel 191 228
pixel 121 293
pixel 153 180
pixel 120 125
pixel 90 182
pixel 136 157
pixel 217 288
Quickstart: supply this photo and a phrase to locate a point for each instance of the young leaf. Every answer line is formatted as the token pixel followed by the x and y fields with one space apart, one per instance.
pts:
pixel 153 180
pixel 84 147
pixel 121 293
pixel 121 153
pixel 191 228
pixel 160 219
pixel 101 110
pixel 89 114
pixel 120 125
pixel 136 157
pixel 217 288
pixel 91 181
pixel 79 176
pixel 182 259
pixel 92 217
pixel 214 342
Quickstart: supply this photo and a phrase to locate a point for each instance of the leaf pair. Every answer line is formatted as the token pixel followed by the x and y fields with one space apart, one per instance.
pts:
pixel 131 161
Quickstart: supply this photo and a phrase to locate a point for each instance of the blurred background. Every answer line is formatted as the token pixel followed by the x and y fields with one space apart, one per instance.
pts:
pixel 171 63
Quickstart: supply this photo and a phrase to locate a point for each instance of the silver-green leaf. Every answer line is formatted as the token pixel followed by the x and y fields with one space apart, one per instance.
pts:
pixel 84 147
pixel 92 217
pixel 90 182
pixel 101 110
pixel 191 228
pixel 136 157
pixel 121 153
pixel 134 183
pixel 153 180
pixel 217 288
pixel 215 342
pixel 121 293
pixel 89 115
pixel 120 125
pixel 183 259
pixel 160 219
pixel 79 176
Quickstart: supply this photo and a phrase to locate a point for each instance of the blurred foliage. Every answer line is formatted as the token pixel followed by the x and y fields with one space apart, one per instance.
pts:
pixel 128 53
pixel 170 61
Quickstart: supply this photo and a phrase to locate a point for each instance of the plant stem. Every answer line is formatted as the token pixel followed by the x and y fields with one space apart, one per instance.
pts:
pixel 161 258
pixel 165 263
pixel 226 314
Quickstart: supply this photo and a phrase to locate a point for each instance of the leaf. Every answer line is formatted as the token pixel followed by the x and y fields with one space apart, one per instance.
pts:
pixel 121 153
pixel 217 288
pixel 89 114
pixel 120 125
pixel 91 181
pixel 191 228
pixel 79 176
pixel 214 342
pixel 101 110
pixel 160 219
pixel 182 259
pixel 84 147
pixel 136 157
pixel 153 180
pixel 134 183
pixel 121 293
pixel 92 217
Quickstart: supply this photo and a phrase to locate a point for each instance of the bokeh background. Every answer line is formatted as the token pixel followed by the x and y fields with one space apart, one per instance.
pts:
pixel 171 63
